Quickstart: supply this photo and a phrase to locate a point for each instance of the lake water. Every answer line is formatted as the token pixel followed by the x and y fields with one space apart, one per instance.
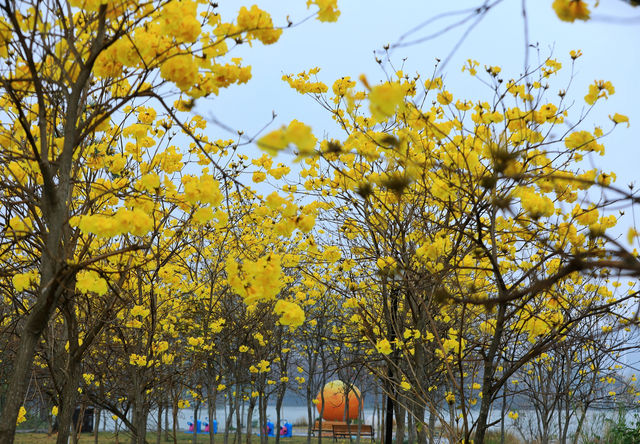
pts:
pixel 293 414
pixel 595 423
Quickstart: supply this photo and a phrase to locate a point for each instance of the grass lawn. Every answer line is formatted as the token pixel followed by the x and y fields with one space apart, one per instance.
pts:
pixel 183 438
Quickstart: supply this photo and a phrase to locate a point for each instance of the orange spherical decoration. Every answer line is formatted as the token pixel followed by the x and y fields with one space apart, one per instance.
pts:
pixel 334 401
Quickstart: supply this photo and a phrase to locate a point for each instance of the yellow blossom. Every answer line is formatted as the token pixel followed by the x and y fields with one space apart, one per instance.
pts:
pixel 383 346
pixel 385 100
pixel 328 11
pixel 571 10
pixel 22 415
pixel 290 313
pixel 619 118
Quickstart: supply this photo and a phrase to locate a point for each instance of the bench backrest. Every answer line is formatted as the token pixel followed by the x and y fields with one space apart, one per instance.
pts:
pixel 353 428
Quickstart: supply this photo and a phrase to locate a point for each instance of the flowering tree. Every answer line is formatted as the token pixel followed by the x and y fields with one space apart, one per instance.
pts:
pixel 465 216
pixel 88 171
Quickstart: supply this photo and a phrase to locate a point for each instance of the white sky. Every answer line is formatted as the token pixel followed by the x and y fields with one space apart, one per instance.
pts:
pixel 609 43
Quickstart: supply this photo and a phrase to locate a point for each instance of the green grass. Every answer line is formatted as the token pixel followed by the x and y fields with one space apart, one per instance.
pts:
pixel 493 437
pixel 183 438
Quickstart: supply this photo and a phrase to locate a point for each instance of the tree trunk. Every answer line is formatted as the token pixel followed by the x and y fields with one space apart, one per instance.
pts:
pixel 322 400
pixel 166 423
pixel 229 420
pixel 388 421
pixel 583 415
pixel 196 407
pixel 400 424
pixel 502 420
pixel 262 414
pixel 432 426
pixel 482 421
pixel 139 419
pixel 159 437
pixel 237 438
pixel 252 404
pixel 378 412
pixel 174 426
pixel 96 425
pixel 68 396
pixel 211 408
pixel 279 399
pixel 77 425
pixel 18 381
pixel 309 413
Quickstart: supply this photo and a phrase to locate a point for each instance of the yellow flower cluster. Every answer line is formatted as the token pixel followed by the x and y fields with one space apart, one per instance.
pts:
pixel 620 118
pixel 599 89
pixel 149 183
pixel 90 281
pixel 19 227
pixel 296 133
pixel 385 99
pixel 195 342
pixel 183 404
pixel 255 281
pixel 258 24
pixel 135 222
pixel 88 378
pixel 539 324
pixel 22 415
pixel 227 74
pixel 290 313
pixel 21 281
pixel 431 250
pixel 584 141
pixel 139 310
pixel 535 204
pixel 328 9
pixel 383 346
pixel 204 189
pixel 258 337
pixel 302 83
pixel 160 347
pixel 342 86
pixel 386 264
pixel 331 254
pixel 571 10
pixel 179 21
pixel 453 345
pixel 137 360
pixel 263 366
pixel 5 38
pixel 488 327
pixel 180 69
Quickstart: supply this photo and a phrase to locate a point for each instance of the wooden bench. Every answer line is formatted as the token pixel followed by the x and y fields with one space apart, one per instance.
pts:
pixel 327 427
pixel 349 430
